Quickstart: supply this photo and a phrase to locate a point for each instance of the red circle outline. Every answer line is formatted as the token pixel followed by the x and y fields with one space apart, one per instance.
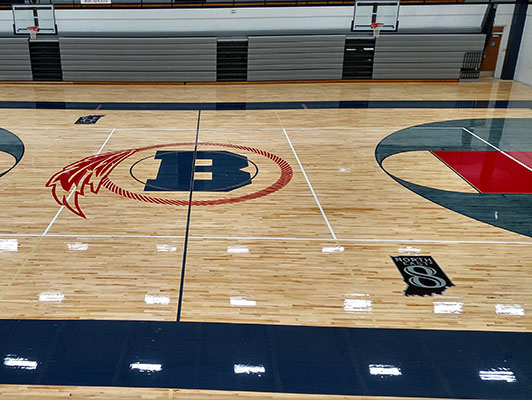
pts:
pixel 286 176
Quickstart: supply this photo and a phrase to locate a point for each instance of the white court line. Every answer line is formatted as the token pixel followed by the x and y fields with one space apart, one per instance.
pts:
pixel 81 127
pixel 106 140
pixel 58 212
pixel 73 235
pixel 259 238
pixel 435 127
pixel 362 240
pixel 73 190
pixel 433 241
pixel 56 127
pixel 309 185
pixel 117 236
pixel 270 238
pixel 218 129
pixel 496 148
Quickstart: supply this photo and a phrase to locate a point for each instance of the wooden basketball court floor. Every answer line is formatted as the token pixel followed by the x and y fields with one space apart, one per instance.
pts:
pixel 298 228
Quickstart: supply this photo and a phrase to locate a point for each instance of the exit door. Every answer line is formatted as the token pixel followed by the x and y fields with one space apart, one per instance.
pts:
pixel 492 52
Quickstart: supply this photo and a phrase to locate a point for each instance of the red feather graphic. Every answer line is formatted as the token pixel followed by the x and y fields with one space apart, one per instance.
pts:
pixel 87 171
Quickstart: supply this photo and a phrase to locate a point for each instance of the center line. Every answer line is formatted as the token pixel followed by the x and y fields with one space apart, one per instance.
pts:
pixel 309 185
pixel 187 228
pixel 496 148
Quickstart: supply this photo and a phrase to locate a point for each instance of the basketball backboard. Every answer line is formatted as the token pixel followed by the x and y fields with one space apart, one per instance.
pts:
pixel 31 15
pixel 368 12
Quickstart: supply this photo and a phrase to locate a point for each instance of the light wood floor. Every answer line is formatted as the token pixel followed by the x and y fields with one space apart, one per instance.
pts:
pixel 130 248
pixel 49 393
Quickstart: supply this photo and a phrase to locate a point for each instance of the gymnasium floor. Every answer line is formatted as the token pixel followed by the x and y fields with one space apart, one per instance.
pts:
pixel 400 210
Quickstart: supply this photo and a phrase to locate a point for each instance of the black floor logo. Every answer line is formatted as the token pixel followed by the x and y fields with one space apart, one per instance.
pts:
pixel 422 275
pixel 89 119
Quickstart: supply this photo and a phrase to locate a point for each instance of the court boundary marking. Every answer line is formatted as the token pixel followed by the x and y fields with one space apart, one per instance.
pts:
pixel 257 128
pixel 265 238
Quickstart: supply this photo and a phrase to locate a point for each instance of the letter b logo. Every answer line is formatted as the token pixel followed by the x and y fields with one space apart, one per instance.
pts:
pixel 175 172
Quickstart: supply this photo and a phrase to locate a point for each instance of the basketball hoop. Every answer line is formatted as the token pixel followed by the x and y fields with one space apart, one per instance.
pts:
pixel 376 26
pixel 32 30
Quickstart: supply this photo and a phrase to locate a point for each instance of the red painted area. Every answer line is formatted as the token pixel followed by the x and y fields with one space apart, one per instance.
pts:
pixel 492 171
pixel 524 156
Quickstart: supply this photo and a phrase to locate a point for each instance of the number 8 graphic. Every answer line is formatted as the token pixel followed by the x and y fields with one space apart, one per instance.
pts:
pixel 417 276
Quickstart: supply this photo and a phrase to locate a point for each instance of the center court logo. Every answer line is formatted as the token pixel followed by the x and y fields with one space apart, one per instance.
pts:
pixel 223 166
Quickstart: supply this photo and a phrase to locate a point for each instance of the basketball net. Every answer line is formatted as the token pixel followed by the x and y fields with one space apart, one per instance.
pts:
pixel 376 26
pixel 32 30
